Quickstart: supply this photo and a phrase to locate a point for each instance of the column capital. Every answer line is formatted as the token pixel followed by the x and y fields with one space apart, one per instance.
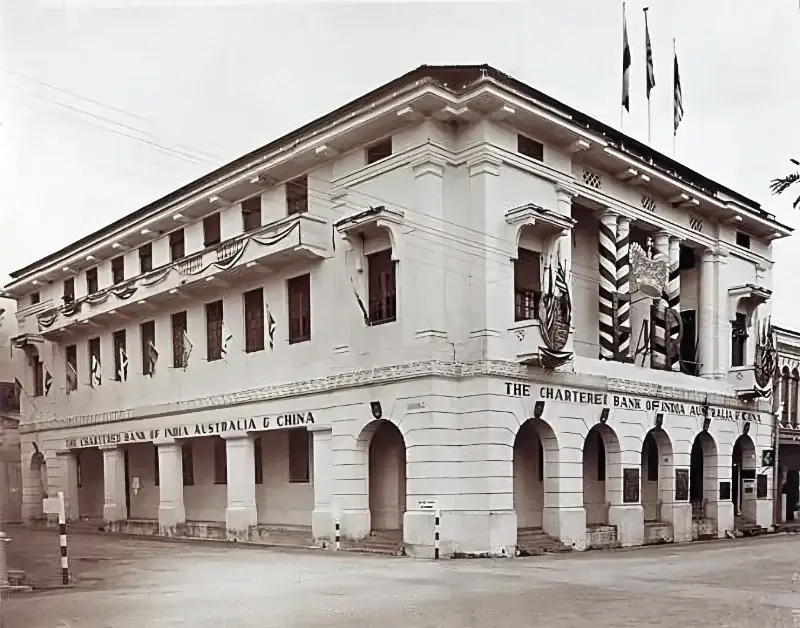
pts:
pixel 166 441
pixel 235 435
pixel 673 239
pixel 564 194
pixel 708 256
pixel 319 428
pixel 105 448
pixel 608 216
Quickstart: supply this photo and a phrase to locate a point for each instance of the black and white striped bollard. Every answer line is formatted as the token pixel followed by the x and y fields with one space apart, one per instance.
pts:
pixel 338 538
pixel 436 536
pixel 62 530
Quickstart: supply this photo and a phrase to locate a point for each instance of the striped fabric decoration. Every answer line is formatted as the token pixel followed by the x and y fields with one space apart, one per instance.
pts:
pixel 623 288
pixel 674 292
pixel 658 358
pixel 608 282
pixel 677 95
pixel 626 64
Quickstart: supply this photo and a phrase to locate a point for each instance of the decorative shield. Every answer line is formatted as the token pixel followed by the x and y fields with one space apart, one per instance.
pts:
pixel 377 411
pixel 765 359
pixel 555 317
pixel 650 273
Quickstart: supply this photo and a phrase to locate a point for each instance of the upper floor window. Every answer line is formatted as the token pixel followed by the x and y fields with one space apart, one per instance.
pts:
pixel 785 396
pixel 380 150
pixel 35 298
pixel 299 289
pixel 254 320
pixel 297 196
pixel 739 340
pixel 69 290
pixel 251 213
pixel 117 270
pixel 212 230
pixel 92 285
pixel 37 367
pixel 742 239
pixel 95 372
pixel 214 331
pixel 530 148
pixel 527 285
pixel 382 288
pixel 177 245
pixel 180 345
pixel 146 258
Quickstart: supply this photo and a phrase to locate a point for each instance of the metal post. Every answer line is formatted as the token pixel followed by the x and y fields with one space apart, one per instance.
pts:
pixel 62 531
pixel 436 535
pixel 338 538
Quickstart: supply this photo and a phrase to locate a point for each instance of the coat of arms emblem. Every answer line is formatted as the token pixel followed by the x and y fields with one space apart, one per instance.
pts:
pixel 765 359
pixel 555 317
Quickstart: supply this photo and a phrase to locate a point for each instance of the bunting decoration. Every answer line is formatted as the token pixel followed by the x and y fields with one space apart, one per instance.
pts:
pixel 122 372
pixel 152 357
pixel 648 53
pixel 48 382
pixel 95 378
pixel 626 64
pixel 72 378
pixel 187 349
pixel 271 326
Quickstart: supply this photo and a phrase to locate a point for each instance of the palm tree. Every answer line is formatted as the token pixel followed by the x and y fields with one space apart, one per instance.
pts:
pixel 781 184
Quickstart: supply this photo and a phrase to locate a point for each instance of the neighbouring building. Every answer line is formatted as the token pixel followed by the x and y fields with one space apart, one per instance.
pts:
pixel 454 294
pixel 11 367
pixel 787 344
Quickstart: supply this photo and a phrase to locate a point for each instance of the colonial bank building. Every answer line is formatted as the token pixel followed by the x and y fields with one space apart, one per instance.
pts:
pixel 453 295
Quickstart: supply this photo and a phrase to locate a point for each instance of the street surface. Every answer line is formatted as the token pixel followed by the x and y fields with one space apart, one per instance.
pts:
pixel 125 583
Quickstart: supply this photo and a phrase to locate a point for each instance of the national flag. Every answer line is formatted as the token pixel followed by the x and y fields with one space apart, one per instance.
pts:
pixel 227 336
pixel 360 303
pixel 152 357
pixel 271 326
pixel 187 348
pixel 48 382
pixel 122 372
pixel 95 378
pixel 626 64
pixel 72 378
pixel 651 77
pixel 677 98
pixel 18 389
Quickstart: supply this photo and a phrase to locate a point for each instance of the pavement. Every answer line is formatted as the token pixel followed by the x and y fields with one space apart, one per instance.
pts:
pixel 133 582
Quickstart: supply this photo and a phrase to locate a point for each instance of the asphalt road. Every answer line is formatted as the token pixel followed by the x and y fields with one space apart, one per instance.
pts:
pixel 124 583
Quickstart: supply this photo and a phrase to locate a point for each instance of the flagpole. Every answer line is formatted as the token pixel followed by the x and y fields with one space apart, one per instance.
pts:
pixel 621 105
pixel 645 9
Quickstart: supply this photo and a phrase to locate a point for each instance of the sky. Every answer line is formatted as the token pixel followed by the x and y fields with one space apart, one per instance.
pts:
pixel 103 109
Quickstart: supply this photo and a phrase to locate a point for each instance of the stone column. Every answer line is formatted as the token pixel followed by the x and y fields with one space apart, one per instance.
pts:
pixel 624 287
pixel 171 511
pixel 114 504
pixel 564 514
pixel 674 294
pixel 722 329
pixel 607 249
pixel 69 473
pixel 322 518
pixel 706 316
pixel 241 514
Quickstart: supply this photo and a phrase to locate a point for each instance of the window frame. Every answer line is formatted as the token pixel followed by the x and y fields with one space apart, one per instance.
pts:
pixel 215 220
pixel 119 339
pixel 254 315
pixel 297 195
pixel 177 338
pixel 299 319
pixel 145 339
pixel 381 279
pixel 71 358
pixel 68 290
pixel 252 211
pixel 378 151
pixel 145 258
pixel 177 245
pixel 117 268
pixel 92 281
pixel 214 329
pixel 527 291
pixel 524 142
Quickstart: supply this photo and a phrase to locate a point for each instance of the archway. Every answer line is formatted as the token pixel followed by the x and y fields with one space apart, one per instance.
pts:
pixel 387 477
pixel 535 471
pixel 600 455
pixel 703 476
pixel 743 478
pixel 657 476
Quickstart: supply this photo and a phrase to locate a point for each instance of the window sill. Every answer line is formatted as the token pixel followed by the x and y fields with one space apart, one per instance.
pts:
pixel 295 341
pixel 374 323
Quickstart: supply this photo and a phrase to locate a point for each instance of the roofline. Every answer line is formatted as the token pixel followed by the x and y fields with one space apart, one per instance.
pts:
pixel 788 332
pixel 420 75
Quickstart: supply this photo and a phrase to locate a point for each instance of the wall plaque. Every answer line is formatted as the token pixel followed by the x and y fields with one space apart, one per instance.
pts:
pixel 630 486
pixel 681 485
pixel 724 490
pixel 761 486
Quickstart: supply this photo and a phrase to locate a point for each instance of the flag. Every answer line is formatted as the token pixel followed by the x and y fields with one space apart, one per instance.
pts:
pixel 271 326
pixel 187 348
pixel 626 64
pixel 122 372
pixel 651 77
pixel 95 373
pixel 152 356
pixel 18 389
pixel 360 303
pixel 72 378
pixel 48 382
pixel 227 336
pixel 677 98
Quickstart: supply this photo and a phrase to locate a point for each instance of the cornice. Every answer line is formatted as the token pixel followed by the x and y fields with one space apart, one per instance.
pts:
pixel 398 373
